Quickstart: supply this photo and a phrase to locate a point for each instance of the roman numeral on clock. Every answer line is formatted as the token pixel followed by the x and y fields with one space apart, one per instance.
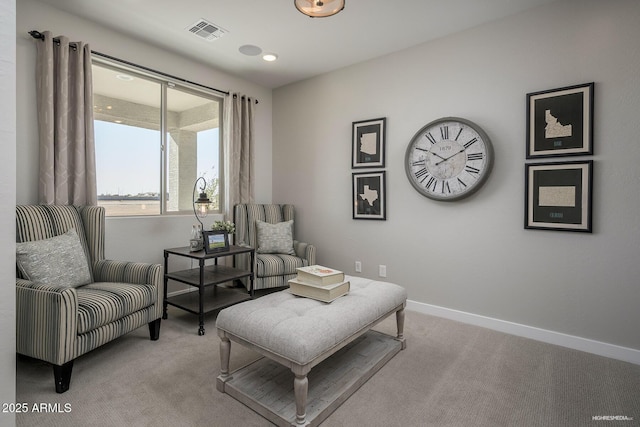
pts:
pixel 430 137
pixel 470 143
pixel 475 156
pixel 422 173
pixel 461 182
pixel 471 169
pixel 458 135
pixel 445 187
pixel 432 183
pixel 444 132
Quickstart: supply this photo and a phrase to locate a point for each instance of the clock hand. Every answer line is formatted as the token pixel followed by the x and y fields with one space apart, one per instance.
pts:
pixel 437 155
pixel 453 155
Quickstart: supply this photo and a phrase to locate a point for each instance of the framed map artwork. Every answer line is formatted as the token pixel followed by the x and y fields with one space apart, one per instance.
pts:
pixel 368 140
pixel 558 196
pixel 369 196
pixel 560 122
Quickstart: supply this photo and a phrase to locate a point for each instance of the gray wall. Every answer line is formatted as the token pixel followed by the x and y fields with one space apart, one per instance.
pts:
pixel 7 211
pixel 474 256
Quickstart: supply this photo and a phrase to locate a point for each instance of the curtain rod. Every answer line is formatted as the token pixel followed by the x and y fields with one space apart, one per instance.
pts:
pixel 38 35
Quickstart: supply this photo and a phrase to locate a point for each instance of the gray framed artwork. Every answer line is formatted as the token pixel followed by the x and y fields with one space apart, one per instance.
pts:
pixel 559 196
pixel 560 122
pixel 369 195
pixel 368 143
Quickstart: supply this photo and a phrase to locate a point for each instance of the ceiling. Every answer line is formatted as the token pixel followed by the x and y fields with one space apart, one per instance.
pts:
pixel 306 47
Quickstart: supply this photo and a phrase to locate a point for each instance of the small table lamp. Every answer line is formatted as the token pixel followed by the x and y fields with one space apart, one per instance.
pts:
pixel 200 210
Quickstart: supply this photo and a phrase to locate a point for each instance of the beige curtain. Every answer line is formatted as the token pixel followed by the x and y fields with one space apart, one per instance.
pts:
pixel 238 151
pixel 65 122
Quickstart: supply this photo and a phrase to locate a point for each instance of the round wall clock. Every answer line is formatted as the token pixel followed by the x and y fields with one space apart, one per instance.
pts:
pixel 449 159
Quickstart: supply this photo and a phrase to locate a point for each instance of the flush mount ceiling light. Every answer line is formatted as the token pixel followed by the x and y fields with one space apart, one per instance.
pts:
pixel 319 8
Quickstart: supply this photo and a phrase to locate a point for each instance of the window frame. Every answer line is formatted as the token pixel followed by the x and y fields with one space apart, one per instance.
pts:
pixel 183 86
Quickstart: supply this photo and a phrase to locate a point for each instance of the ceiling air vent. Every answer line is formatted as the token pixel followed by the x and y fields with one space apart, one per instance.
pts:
pixel 206 30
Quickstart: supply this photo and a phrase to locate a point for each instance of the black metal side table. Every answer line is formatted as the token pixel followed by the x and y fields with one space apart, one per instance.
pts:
pixel 205 276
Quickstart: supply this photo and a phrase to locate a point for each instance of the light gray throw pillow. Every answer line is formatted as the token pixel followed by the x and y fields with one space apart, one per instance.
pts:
pixel 59 260
pixel 275 238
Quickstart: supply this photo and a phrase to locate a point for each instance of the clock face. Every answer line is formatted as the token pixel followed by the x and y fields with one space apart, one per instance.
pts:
pixel 448 159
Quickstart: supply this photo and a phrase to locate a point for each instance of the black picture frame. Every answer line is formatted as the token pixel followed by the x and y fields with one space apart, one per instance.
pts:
pixel 560 122
pixel 558 196
pixel 368 143
pixel 215 241
pixel 369 195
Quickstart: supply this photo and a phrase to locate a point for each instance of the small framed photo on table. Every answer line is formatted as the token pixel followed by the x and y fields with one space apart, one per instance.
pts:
pixel 215 241
pixel 560 122
pixel 368 140
pixel 369 195
pixel 558 196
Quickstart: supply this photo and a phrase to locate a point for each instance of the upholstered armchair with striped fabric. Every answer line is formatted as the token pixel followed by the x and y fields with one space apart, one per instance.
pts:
pixel 269 229
pixel 69 299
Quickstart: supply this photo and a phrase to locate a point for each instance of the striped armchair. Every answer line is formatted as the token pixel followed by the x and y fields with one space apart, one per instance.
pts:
pixel 273 270
pixel 57 320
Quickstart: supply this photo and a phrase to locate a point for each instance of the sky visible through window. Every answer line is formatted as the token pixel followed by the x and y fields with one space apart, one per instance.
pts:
pixel 128 158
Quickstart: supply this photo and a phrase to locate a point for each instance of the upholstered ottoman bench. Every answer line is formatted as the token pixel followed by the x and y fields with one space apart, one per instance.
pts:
pixel 296 334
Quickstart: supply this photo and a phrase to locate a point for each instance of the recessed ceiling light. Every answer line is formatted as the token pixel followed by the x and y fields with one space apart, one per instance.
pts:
pixel 125 77
pixel 269 57
pixel 250 50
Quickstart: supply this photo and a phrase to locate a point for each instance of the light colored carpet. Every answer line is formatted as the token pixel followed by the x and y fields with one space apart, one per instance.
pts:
pixel 451 374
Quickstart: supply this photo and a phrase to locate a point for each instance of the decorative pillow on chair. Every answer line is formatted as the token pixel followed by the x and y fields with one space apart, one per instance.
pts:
pixel 275 238
pixel 59 260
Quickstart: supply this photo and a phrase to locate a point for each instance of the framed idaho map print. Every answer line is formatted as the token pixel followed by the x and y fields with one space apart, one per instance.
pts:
pixel 368 143
pixel 369 196
pixel 558 196
pixel 560 122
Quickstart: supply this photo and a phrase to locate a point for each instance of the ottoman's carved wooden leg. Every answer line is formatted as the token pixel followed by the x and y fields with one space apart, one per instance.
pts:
pixel 400 322
pixel 225 354
pixel 300 388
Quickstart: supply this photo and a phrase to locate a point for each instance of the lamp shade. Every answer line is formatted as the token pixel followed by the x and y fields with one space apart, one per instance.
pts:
pixel 319 8
pixel 201 205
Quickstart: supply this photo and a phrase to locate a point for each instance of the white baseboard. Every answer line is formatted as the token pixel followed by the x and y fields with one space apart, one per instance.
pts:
pixel 577 343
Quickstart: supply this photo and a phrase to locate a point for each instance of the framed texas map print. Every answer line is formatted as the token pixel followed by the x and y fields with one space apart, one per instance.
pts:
pixel 369 196
pixel 368 143
pixel 558 196
pixel 560 122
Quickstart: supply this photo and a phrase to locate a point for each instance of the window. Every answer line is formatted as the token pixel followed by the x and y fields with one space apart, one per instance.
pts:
pixel 153 140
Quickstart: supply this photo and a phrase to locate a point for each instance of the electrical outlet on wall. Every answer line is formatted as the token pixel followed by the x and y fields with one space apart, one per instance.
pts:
pixel 382 270
pixel 358 267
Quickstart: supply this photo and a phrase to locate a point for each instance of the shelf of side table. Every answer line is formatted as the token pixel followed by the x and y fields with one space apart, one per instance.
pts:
pixel 206 276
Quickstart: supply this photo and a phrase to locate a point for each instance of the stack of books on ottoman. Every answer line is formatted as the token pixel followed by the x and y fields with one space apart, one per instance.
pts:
pixel 318 282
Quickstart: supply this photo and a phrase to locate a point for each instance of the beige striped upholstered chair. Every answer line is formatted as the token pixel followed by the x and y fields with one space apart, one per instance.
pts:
pixel 273 269
pixel 65 307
